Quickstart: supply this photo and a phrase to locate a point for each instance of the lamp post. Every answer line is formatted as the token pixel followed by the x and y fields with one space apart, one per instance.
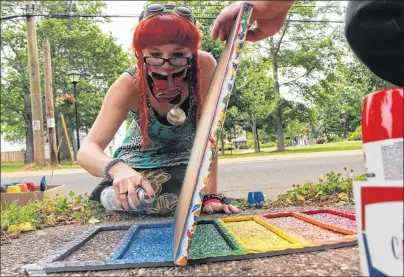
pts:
pixel 74 76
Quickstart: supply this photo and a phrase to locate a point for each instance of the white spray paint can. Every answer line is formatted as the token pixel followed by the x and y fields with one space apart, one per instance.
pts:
pixel 108 200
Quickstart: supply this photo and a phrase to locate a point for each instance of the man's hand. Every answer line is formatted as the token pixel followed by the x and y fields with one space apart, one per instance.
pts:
pixel 269 15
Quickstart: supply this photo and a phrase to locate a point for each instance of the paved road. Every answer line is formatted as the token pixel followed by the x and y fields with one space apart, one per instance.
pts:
pixel 271 174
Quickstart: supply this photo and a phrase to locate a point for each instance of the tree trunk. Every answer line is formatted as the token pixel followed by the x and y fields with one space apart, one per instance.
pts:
pixel 254 129
pixel 222 140
pixel 64 149
pixel 29 136
pixel 258 139
pixel 279 127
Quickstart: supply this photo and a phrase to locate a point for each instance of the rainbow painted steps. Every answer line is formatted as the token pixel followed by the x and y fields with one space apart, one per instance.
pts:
pixel 231 238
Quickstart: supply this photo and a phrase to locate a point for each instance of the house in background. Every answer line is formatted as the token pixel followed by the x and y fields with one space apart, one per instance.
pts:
pixel 240 141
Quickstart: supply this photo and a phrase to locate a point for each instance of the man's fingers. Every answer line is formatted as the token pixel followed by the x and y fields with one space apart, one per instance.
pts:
pixel 229 26
pixel 229 13
pixel 223 35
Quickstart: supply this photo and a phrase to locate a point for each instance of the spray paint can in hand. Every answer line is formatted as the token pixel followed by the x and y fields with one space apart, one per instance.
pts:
pixel 108 200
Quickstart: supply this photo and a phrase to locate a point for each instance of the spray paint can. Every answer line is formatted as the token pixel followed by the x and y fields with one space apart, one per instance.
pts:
pixel 108 200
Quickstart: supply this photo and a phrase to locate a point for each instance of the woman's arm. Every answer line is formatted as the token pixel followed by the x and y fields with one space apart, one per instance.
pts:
pixel 120 98
pixel 113 112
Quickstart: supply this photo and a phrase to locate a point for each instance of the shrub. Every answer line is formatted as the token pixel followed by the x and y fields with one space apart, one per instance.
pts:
pixel 334 138
pixel 354 136
pixel 267 145
pixel 244 146
pixel 332 188
pixel 226 147
pixel 48 212
pixel 320 140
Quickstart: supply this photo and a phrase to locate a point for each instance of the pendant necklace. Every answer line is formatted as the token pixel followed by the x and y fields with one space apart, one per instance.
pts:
pixel 176 116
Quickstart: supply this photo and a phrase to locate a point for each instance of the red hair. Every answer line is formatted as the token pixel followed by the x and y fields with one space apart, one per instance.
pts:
pixel 159 30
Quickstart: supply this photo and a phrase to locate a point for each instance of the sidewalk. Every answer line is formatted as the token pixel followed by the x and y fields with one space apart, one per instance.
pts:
pixel 221 161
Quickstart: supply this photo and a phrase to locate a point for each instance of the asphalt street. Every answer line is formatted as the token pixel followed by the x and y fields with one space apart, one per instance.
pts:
pixel 272 175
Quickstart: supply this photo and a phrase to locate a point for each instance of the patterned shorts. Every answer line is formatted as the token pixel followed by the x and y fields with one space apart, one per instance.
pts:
pixel 166 182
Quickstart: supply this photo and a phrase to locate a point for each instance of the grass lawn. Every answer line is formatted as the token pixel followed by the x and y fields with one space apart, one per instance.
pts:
pixel 326 147
pixel 14 167
pixel 335 146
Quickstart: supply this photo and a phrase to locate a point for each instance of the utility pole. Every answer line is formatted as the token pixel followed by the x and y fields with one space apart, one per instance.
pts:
pixel 50 116
pixel 35 86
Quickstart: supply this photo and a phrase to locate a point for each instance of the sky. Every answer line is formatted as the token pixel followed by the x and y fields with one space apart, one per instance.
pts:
pixel 122 28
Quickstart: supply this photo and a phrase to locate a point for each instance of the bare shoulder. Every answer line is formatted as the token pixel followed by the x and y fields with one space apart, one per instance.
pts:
pixel 206 60
pixel 207 64
pixel 123 93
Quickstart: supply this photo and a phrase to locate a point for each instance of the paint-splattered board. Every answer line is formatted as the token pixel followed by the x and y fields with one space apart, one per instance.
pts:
pixel 231 238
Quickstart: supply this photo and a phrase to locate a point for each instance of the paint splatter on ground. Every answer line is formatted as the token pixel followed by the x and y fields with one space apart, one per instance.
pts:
pixel 151 245
pixel 336 220
pixel 253 236
pixel 302 229
pixel 208 240
pixel 96 247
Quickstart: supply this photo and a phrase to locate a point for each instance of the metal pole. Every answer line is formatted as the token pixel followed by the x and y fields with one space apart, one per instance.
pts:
pixel 77 118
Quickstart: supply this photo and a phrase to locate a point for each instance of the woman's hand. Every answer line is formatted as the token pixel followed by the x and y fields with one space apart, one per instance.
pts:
pixel 126 180
pixel 213 207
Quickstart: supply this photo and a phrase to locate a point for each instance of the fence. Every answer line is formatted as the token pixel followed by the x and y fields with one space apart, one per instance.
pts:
pixel 12 157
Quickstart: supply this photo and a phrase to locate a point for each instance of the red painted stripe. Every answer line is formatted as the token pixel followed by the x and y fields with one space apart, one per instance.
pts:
pixel 371 195
pixel 382 110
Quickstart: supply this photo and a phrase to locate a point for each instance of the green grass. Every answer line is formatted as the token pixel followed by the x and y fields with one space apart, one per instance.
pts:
pixel 15 167
pixel 327 147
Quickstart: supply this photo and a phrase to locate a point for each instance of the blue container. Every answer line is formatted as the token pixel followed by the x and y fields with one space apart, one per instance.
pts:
pixel 255 198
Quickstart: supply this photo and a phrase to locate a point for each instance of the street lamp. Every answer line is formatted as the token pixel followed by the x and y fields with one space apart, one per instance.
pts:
pixel 74 76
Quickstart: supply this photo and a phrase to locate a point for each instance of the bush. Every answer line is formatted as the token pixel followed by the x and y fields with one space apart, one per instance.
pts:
pixel 332 188
pixel 354 136
pixel 250 144
pixel 334 138
pixel 267 145
pixel 244 146
pixel 320 140
pixel 48 212
pixel 226 148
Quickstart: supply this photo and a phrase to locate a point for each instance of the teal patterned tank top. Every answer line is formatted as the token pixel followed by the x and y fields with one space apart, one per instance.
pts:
pixel 172 145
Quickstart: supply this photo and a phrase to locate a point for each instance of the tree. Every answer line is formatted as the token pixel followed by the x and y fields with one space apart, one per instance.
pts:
pixel 76 42
pixel 253 92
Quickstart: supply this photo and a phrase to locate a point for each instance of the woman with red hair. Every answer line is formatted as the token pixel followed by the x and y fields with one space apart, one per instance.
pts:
pixel 164 95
